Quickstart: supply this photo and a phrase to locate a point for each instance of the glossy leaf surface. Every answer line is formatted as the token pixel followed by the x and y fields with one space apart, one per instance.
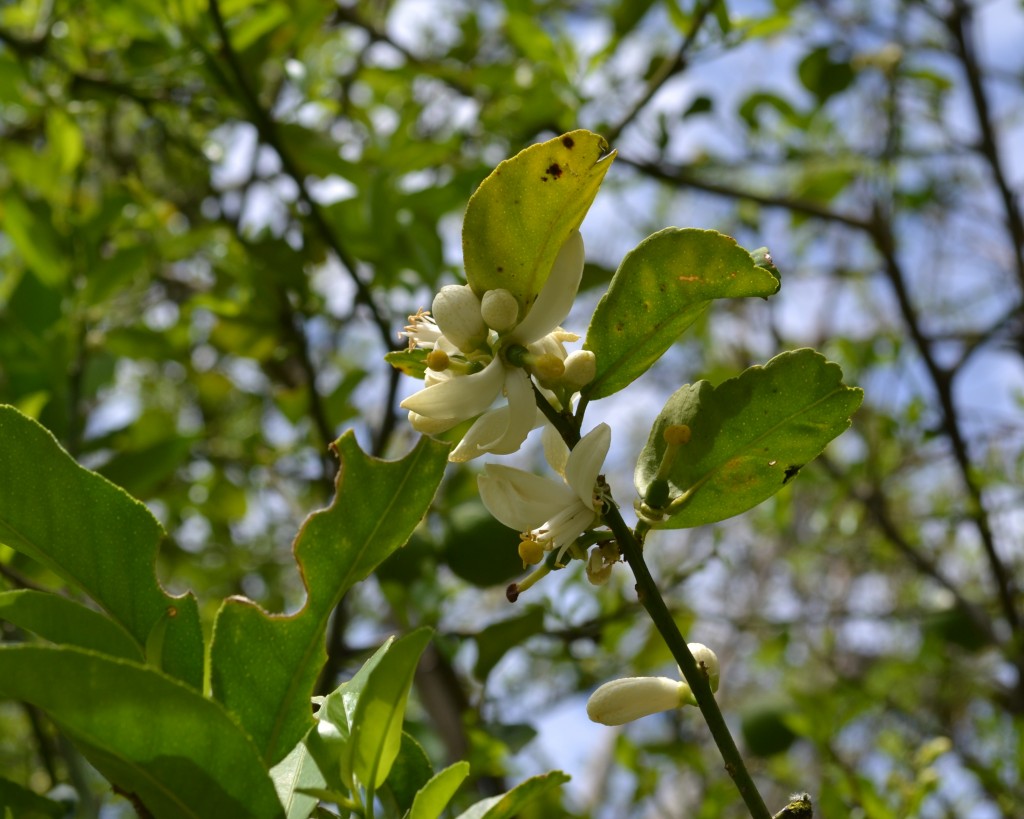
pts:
pixel 95 537
pixel 661 287
pixel 508 805
pixel 264 666
pixel 181 754
pixel 750 436
pixel 434 797
pixel 66 622
pixel 522 213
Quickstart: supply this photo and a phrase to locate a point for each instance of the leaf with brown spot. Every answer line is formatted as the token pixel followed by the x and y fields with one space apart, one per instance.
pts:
pixel 659 290
pixel 516 223
pixel 748 436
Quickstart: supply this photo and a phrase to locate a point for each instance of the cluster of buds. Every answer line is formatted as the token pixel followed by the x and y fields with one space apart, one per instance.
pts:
pixel 481 349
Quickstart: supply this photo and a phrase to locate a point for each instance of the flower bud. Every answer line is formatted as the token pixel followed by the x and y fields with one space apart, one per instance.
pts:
pixel 456 309
pixel 548 368
pixel 707 661
pixel 580 368
pixel 600 563
pixel 499 309
pixel 621 701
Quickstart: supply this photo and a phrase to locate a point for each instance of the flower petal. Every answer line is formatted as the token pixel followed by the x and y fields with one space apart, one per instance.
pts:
pixel 621 701
pixel 585 462
pixel 431 426
pixel 555 450
pixel 461 396
pixel 521 500
pixel 503 430
pixel 556 296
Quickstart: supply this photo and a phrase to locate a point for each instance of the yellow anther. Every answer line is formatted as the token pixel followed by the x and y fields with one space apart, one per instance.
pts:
pixel 438 360
pixel 531 552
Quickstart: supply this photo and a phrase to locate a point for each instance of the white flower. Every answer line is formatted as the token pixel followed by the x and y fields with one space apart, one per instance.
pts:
pixel 466 391
pixel 550 514
pixel 621 701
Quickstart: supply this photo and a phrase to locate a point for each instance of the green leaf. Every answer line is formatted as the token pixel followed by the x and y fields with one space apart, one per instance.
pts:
pixel 65 144
pixel 28 804
pixel 522 213
pixel 508 805
pixel 748 438
pixel 410 362
pixel 295 772
pixel 263 666
pixel 182 755
pixel 29 225
pixel 411 771
pixel 377 722
pixel 94 536
pixel 63 621
pixel 478 548
pixel 495 640
pixel 823 76
pixel 334 749
pixel 339 707
pixel 764 728
pixel 434 797
pixel 659 290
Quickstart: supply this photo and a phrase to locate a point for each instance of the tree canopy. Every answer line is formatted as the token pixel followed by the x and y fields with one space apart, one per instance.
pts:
pixel 217 216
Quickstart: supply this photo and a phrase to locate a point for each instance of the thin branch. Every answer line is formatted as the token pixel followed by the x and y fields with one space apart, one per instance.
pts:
pixel 270 135
pixel 879 230
pixel 960 24
pixel 650 597
pixel 942 381
pixel 875 504
pixel 679 176
pixel 668 68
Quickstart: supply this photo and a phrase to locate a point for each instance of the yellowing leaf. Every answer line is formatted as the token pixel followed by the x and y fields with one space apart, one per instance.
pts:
pixel 522 213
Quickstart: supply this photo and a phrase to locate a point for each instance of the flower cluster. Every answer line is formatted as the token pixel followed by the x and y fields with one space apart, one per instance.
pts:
pixel 480 349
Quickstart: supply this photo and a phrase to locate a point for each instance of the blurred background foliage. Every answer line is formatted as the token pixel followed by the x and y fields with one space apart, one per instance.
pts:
pixel 215 216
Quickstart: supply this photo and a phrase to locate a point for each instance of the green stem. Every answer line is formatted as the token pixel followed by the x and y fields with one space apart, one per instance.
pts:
pixel 568 427
pixel 651 599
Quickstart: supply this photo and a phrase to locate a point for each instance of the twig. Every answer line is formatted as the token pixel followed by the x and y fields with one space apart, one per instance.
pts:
pixel 960 26
pixel 651 599
pixel 668 68
pixel 878 230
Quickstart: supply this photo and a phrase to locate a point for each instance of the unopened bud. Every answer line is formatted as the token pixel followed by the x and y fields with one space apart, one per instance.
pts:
pixel 580 368
pixel 548 368
pixel 707 662
pixel 499 309
pixel 456 309
pixel 621 701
